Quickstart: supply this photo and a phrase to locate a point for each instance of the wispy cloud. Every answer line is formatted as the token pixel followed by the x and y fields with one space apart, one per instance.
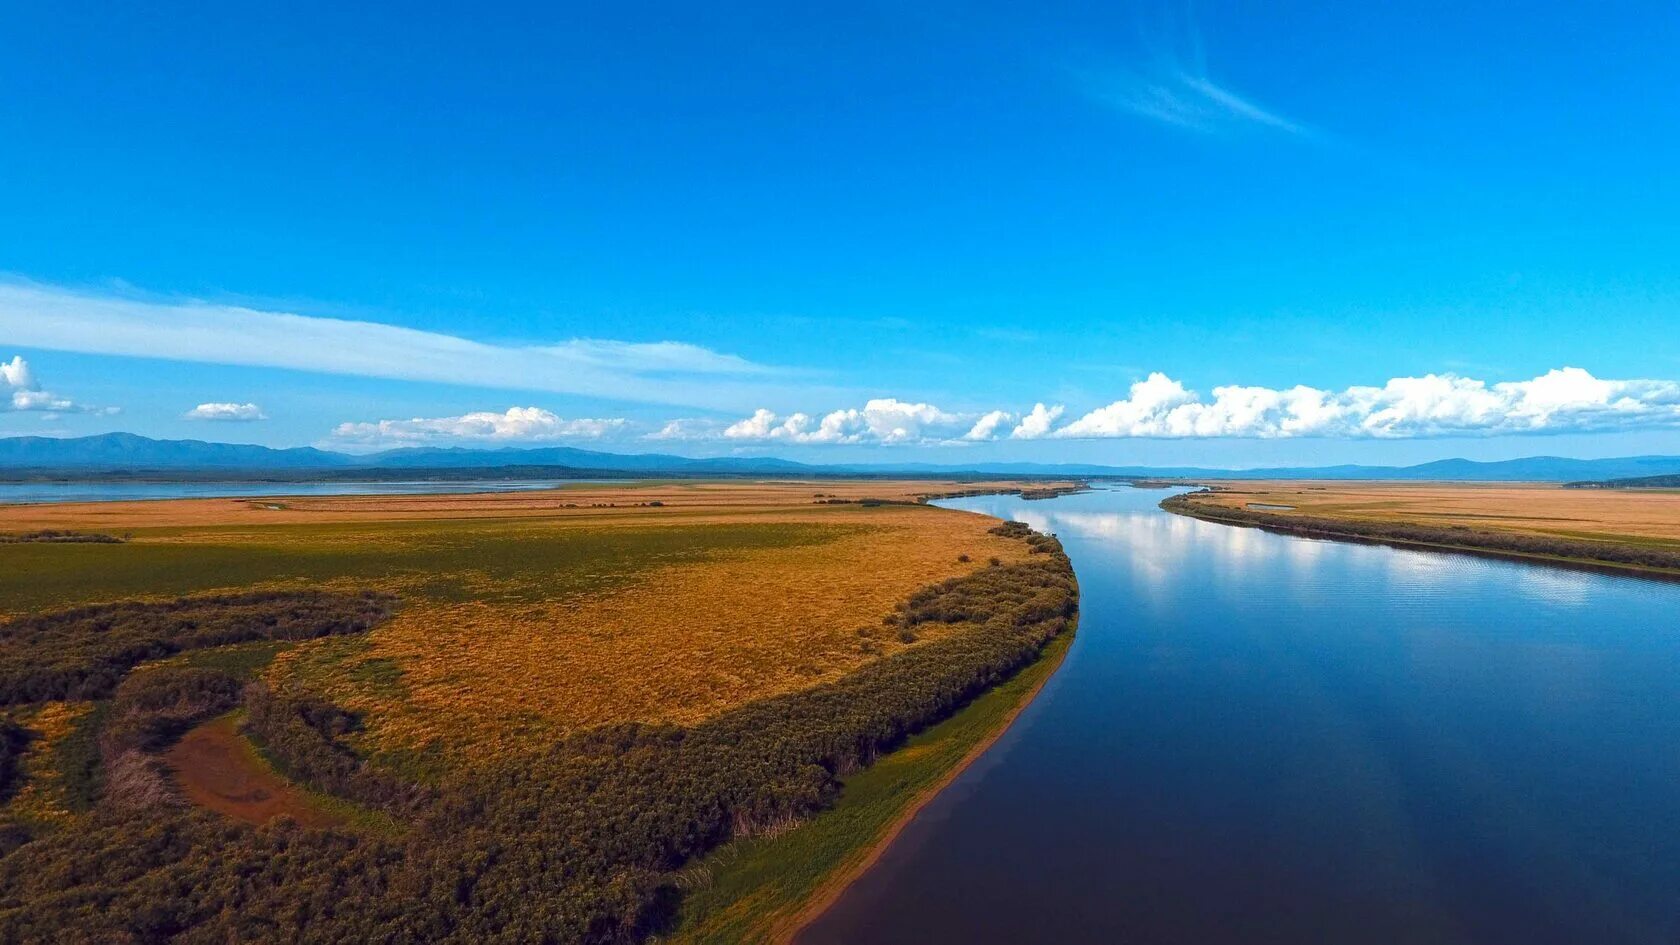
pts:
pixel 1172 85
pixel 661 372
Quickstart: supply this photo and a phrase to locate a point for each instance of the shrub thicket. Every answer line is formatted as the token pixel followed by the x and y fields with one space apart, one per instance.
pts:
pixel 83 653
pixel 54 536
pixel 14 738
pixel 153 708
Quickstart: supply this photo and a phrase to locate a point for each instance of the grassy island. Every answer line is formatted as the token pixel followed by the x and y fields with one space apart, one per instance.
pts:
pixel 595 714
pixel 1620 530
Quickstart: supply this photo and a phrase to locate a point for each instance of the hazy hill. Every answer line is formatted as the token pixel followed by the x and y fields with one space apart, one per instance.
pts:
pixel 127 450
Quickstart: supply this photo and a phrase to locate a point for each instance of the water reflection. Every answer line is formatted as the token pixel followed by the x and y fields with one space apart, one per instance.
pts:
pixel 1260 738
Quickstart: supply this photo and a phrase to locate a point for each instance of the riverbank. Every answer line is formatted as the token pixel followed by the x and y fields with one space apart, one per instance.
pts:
pixel 1649 557
pixel 767 889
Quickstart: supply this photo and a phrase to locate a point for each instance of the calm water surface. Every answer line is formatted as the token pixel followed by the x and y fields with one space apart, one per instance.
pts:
pixel 1259 738
pixel 37 492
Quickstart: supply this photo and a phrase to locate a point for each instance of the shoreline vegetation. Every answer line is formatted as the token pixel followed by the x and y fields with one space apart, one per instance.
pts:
pixel 1596 554
pixel 1028 492
pixel 654 815
pixel 767 890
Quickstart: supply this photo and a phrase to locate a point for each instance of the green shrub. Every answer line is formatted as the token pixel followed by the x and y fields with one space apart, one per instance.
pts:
pixel 85 652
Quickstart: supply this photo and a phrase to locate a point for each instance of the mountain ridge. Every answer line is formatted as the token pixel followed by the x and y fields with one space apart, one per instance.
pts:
pixel 130 453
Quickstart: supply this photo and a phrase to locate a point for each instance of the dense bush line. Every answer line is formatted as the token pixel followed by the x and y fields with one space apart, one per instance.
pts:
pixel 53 536
pixel 302 733
pixel 1025 492
pixel 149 712
pixel 578 843
pixel 85 652
pixel 1605 552
pixel 153 708
pixel 1638 482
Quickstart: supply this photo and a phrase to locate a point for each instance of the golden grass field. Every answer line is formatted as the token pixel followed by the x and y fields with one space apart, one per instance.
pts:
pixel 527 615
pixel 1636 517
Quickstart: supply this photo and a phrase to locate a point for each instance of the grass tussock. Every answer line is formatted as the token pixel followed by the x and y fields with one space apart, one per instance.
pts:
pixel 470 682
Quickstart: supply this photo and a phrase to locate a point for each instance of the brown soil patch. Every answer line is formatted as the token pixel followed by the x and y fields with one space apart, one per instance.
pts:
pixel 217 768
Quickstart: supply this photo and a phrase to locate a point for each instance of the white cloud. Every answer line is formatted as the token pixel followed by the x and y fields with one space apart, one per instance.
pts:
pixel 15 373
pixel 986 428
pixel 19 391
pixel 1564 400
pixel 1037 423
pixel 226 412
pixel 663 372
pixel 882 421
pixel 517 425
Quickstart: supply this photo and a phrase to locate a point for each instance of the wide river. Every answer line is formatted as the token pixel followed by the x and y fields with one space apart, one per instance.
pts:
pixel 1258 738
pixel 34 493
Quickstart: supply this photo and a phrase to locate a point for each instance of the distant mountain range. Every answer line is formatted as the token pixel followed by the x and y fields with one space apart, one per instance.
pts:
pixel 126 451
pixel 127 455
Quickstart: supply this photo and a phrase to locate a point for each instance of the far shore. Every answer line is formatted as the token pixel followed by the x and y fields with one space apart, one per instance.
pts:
pixel 1655 557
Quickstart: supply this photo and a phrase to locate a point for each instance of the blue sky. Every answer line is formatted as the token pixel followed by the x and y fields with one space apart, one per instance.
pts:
pixel 877 232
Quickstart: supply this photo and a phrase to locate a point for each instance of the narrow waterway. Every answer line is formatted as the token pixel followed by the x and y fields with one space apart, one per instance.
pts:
pixel 1259 738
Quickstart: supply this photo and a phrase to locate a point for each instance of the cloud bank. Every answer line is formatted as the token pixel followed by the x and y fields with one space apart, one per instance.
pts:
pixel 1565 400
pixel 885 421
pixel 226 412
pixel 515 425
pixel 661 372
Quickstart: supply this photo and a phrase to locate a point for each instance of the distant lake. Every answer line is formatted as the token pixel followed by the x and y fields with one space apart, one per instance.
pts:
pixel 38 492
pixel 1259 738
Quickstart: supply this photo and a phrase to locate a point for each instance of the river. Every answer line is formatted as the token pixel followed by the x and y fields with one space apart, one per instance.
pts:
pixel 35 493
pixel 1259 738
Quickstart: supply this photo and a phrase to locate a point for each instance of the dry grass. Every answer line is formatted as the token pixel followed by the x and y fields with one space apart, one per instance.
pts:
pixel 1649 518
pixel 680 644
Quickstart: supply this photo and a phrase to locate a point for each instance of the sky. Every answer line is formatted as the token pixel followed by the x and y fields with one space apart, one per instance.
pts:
pixel 1225 234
